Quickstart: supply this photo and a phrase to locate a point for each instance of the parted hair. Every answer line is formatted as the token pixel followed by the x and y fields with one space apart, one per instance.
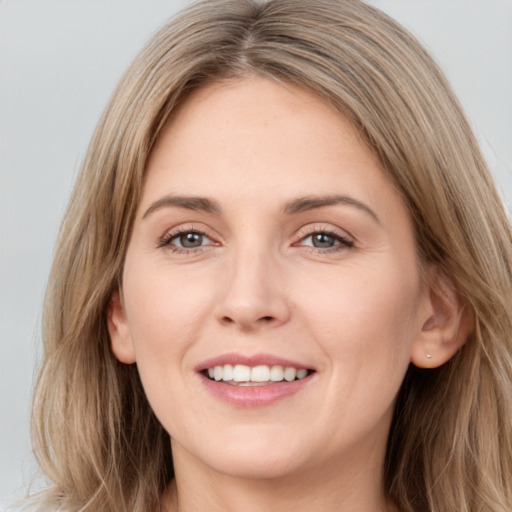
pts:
pixel 450 444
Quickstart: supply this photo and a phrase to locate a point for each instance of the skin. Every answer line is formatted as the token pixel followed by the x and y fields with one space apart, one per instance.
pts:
pixel 357 312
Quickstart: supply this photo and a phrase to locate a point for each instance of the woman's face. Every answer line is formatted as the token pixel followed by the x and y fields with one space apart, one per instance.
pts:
pixel 268 237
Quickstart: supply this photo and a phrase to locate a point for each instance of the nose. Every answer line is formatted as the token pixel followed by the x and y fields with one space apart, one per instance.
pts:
pixel 253 295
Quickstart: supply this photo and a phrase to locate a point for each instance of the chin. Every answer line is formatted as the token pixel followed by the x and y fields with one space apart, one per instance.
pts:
pixel 264 459
pixel 258 468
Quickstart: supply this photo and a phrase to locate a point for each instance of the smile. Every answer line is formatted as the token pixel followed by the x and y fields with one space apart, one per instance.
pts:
pixel 261 375
pixel 256 380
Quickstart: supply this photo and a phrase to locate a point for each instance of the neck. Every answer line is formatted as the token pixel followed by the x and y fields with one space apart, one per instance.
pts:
pixel 355 487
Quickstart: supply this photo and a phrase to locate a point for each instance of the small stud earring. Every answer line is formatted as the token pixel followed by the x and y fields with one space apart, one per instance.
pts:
pixel 429 356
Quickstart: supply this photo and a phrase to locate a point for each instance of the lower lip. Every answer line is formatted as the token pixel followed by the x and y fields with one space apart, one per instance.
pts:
pixel 254 396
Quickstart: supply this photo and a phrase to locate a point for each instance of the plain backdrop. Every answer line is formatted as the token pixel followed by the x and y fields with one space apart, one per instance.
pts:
pixel 59 62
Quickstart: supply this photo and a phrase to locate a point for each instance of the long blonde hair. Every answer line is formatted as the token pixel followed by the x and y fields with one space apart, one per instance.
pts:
pixel 450 445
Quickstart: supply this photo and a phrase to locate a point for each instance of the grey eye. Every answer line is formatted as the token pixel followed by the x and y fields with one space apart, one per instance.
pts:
pixel 323 240
pixel 189 240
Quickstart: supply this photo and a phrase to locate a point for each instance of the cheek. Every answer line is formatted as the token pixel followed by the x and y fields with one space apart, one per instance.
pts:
pixel 165 313
pixel 366 326
pixel 366 317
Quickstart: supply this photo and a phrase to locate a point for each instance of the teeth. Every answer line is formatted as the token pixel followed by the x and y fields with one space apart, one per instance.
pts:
pixel 260 374
pixel 290 374
pixel 241 373
pixel 276 373
pixel 302 373
pixel 245 375
pixel 227 372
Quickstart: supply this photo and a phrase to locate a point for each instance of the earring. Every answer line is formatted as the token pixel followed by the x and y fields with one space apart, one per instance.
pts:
pixel 429 356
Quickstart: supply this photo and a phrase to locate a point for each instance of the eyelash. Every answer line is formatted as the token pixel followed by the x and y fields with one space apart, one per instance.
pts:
pixel 343 242
pixel 166 240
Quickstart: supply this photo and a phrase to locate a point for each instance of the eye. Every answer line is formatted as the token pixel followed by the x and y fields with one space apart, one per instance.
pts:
pixel 326 240
pixel 322 240
pixel 189 240
pixel 185 240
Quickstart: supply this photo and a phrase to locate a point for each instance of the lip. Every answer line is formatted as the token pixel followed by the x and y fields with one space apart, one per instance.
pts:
pixel 252 396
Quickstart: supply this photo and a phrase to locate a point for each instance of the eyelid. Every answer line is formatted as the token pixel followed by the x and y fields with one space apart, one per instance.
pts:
pixel 164 241
pixel 345 239
pixel 322 227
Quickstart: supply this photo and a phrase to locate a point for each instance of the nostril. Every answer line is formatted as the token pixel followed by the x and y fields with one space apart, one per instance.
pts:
pixel 227 320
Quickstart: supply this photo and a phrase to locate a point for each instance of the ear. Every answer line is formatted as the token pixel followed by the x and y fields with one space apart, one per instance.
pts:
pixel 119 330
pixel 447 322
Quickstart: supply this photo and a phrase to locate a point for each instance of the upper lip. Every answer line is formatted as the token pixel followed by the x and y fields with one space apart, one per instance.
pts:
pixel 250 360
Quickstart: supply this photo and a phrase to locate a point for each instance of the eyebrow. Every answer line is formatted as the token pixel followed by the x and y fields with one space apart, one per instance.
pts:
pixel 189 203
pixel 303 204
pixel 298 205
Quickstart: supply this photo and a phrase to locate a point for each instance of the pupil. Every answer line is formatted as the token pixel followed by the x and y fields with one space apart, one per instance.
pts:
pixel 191 240
pixel 323 240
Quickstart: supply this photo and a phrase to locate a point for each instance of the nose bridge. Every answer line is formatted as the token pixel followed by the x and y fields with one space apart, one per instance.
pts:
pixel 253 289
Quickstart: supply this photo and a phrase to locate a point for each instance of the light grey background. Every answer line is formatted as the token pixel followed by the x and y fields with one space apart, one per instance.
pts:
pixel 59 62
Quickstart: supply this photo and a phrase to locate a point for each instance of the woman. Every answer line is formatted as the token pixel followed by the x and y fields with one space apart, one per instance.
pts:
pixel 284 279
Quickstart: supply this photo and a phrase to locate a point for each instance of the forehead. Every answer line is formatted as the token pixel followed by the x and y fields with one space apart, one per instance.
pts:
pixel 254 118
pixel 254 139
